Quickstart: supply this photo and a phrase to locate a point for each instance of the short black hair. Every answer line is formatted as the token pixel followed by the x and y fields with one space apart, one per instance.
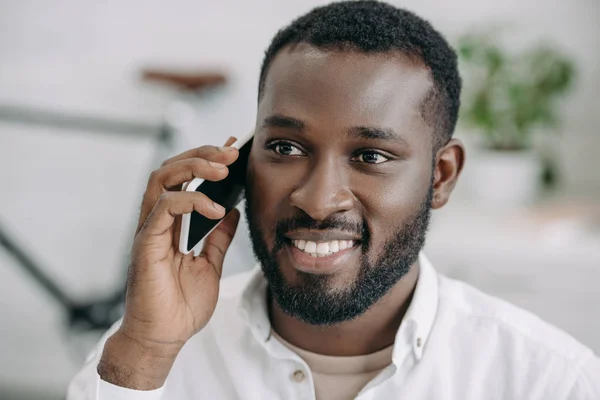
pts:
pixel 376 27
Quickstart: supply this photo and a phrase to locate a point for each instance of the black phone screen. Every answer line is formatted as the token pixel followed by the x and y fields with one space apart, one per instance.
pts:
pixel 228 193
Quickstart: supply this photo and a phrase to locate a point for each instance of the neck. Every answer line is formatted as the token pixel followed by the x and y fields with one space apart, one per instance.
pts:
pixel 372 331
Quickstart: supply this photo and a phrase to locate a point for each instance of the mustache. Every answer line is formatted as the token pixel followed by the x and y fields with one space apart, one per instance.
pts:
pixel 304 221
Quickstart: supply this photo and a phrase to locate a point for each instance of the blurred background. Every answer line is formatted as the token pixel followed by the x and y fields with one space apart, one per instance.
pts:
pixel 94 94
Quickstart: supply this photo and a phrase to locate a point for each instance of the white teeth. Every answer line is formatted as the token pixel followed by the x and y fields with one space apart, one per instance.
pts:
pixel 311 247
pixel 322 249
pixel 334 246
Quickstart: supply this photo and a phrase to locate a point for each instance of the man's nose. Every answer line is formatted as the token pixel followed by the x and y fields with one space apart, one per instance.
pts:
pixel 324 192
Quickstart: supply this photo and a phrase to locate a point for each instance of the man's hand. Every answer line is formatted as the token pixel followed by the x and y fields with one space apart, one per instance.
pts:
pixel 170 296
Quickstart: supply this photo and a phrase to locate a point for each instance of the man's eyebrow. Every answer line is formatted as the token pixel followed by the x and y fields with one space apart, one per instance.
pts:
pixel 361 132
pixel 282 121
pixel 369 132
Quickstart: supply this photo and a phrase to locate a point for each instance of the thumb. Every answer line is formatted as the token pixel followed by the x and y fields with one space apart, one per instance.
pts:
pixel 216 244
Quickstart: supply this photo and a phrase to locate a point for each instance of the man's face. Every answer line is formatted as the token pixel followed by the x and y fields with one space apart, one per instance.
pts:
pixel 339 179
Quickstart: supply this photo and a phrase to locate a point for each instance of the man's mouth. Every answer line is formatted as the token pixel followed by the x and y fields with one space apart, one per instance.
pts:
pixel 322 249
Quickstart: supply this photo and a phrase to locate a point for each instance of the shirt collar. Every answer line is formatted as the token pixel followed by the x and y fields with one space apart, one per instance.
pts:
pixel 417 322
pixel 253 307
pixel 412 334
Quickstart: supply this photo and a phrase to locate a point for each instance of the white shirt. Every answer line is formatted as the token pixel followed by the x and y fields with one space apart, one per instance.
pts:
pixel 454 343
pixel 341 377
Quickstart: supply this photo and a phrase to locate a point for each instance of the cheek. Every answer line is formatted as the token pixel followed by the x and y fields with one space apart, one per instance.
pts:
pixel 271 187
pixel 390 201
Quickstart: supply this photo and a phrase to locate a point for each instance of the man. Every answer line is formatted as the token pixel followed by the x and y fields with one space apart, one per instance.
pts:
pixel 353 149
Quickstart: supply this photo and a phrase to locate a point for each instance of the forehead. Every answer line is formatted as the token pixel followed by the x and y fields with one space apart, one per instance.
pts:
pixel 346 87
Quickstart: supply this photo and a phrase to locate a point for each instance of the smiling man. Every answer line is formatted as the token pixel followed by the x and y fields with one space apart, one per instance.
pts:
pixel 353 148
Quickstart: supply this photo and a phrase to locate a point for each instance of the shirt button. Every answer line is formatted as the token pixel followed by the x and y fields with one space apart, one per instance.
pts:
pixel 298 376
pixel 418 342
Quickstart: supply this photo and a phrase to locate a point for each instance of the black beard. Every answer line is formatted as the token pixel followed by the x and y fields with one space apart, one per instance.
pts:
pixel 313 301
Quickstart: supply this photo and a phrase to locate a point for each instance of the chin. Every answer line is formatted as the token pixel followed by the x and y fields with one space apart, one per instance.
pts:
pixel 338 281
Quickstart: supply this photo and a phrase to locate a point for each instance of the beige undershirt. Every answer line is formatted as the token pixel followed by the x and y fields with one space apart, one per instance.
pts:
pixel 341 378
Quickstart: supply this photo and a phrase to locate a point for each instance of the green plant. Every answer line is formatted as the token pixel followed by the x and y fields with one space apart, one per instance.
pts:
pixel 507 96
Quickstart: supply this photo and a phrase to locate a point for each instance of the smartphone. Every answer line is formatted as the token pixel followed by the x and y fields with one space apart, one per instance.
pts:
pixel 227 192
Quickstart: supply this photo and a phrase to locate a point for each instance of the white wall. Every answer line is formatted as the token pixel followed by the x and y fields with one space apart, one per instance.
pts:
pixel 73 196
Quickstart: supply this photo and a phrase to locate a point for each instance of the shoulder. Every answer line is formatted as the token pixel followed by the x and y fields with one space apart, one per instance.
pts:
pixel 514 340
pixel 476 307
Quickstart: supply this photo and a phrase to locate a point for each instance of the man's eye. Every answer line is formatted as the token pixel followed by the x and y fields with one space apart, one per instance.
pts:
pixel 370 157
pixel 286 149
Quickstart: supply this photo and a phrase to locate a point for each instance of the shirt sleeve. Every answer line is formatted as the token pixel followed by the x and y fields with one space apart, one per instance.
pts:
pixel 87 384
pixel 587 384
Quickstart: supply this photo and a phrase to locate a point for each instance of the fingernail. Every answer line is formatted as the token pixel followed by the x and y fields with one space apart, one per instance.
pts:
pixel 218 207
pixel 226 148
pixel 216 165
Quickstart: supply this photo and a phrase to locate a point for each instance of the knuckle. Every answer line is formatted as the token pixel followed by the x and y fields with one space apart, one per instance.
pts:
pixel 165 197
pixel 199 201
pixel 202 150
pixel 210 147
pixel 202 203
pixel 208 151
pixel 216 249
pixel 200 167
pixel 198 164
pixel 154 176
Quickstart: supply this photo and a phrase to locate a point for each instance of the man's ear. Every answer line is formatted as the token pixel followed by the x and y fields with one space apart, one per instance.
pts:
pixel 450 160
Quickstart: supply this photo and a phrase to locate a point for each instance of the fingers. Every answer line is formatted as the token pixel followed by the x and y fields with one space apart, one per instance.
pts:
pixel 171 176
pixel 216 244
pixel 178 172
pixel 206 162
pixel 224 155
pixel 172 204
